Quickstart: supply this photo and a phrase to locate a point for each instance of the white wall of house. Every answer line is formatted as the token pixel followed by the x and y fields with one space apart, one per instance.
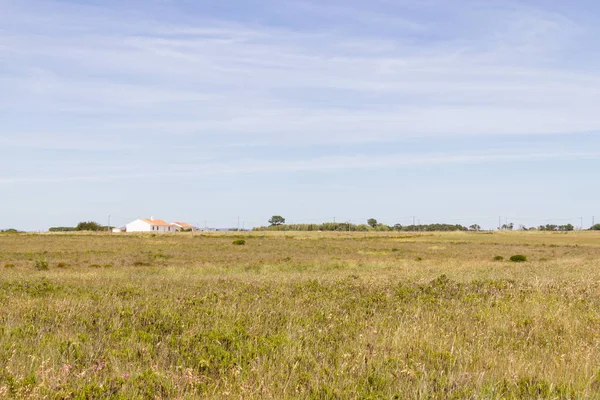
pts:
pixel 142 226
pixel 139 226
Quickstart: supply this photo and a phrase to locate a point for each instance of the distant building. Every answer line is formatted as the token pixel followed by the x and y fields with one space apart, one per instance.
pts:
pixel 180 226
pixel 150 225
pixel 118 230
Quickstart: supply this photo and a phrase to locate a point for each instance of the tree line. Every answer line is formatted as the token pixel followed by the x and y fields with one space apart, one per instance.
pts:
pixel 277 223
pixel 85 226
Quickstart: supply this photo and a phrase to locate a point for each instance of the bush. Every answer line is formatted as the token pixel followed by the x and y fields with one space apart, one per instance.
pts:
pixel 518 258
pixel 141 263
pixel 498 258
pixel 62 265
pixel 41 265
pixel 62 229
pixel 89 226
pixel 239 242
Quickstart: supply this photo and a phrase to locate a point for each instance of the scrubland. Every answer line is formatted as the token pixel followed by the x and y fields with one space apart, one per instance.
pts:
pixel 300 315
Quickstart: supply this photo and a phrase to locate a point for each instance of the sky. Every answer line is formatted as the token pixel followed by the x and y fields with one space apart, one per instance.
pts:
pixel 194 110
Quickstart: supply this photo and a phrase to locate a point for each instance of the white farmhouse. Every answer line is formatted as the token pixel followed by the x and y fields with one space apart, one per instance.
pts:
pixel 149 225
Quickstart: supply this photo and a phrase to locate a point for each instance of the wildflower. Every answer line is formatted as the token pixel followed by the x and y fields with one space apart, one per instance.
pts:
pixel 66 368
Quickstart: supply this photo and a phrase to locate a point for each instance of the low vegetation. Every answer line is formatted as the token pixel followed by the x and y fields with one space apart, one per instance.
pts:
pixel 518 258
pixel 300 315
pixel 84 226
pixel 277 223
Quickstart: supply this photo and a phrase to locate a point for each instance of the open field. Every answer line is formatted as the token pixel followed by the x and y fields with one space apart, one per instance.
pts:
pixel 300 315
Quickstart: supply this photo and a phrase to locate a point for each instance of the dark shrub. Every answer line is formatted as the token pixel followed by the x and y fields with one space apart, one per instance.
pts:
pixel 239 242
pixel 140 263
pixel 518 258
pixel 498 258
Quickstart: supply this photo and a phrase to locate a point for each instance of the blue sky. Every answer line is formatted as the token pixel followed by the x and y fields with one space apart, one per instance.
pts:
pixel 457 111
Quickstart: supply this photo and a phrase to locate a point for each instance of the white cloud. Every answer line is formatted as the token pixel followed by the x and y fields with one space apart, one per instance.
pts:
pixel 112 173
pixel 288 87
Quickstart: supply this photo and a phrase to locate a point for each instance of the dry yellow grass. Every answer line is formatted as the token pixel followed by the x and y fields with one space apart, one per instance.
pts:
pixel 300 315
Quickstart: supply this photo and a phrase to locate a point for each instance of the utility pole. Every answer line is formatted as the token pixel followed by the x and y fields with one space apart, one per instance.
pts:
pixel 499 223
pixel 414 226
pixel 334 220
pixel 238 227
pixel 581 224
pixel 108 226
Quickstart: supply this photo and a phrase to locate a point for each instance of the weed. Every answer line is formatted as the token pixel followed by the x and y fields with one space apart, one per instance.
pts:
pixel 239 242
pixel 158 256
pixel 9 265
pixel 41 265
pixel 62 264
pixel 141 263
pixel 498 258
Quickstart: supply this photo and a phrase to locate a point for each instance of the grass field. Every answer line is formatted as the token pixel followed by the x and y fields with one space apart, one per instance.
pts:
pixel 300 315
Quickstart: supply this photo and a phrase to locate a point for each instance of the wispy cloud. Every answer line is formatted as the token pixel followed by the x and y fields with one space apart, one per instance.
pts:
pixel 321 164
pixel 293 86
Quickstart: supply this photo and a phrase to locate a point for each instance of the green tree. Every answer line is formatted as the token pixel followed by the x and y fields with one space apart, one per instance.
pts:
pixel 277 220
pixel 475 227
pixel 382 228
pixel 508 227
pixel 372 222
pixel 88 226
pixel 595 227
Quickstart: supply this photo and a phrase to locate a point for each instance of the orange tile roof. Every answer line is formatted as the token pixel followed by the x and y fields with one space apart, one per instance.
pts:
pixel 156 222
pixel 183 224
